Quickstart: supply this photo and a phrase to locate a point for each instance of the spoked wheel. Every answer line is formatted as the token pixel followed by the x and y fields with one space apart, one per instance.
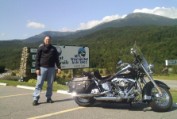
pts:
pixel 84 101
pixel 161 103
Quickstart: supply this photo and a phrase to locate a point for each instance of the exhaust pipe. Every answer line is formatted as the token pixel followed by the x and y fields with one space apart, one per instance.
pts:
pixel 117 99
pixel 74 94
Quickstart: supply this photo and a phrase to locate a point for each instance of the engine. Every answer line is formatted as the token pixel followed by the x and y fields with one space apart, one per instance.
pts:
pixel 123 86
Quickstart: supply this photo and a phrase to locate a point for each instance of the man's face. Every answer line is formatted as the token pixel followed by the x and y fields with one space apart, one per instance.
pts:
pixel 47 40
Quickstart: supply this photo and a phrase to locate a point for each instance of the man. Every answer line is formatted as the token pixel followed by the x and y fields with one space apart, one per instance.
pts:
pixel 47 59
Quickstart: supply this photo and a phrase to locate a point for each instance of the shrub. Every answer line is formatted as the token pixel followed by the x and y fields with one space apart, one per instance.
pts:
pixel 13 74
pixel 13 78
pixel 2 69
pixel 60 80
pixel 33 81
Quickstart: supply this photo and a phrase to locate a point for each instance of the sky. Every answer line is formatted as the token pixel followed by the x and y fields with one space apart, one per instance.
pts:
pixel 20 19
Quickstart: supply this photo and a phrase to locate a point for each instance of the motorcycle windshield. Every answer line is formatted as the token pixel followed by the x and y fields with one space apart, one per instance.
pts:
pixel 139 53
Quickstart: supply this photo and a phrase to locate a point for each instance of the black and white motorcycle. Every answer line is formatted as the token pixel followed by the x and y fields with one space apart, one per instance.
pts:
pixel 130 84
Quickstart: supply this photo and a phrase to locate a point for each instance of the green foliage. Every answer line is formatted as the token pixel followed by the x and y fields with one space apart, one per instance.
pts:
pixel 107 46
pixel 166 77
pixel 10 54
pixel 56 86
pixel 13 74
pixel 2 69
pixel 158 43
pixel 174 69
pixel 12 78
pixel 33 81
pixel 174 95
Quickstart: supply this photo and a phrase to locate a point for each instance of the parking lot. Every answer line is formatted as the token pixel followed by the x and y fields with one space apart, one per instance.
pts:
pixel 16 103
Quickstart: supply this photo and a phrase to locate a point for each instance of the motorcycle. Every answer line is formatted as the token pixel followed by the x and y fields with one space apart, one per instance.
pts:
pixel 128 85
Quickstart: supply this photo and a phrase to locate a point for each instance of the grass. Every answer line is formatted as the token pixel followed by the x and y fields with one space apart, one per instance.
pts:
pixel 166 77
pixel 15 83
pixel 174 95
pixel 169 77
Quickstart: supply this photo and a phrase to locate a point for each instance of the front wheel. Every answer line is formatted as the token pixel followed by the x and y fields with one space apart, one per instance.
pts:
pixel 84 101
pixel 161 103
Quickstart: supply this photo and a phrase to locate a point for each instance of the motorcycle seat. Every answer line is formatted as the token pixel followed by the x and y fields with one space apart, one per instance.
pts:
pixel 98 76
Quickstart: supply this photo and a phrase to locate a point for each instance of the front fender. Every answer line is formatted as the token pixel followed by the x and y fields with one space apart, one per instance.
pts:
pixel 146 93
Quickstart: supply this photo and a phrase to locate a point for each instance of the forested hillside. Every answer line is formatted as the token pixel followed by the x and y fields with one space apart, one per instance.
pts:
pixel 158 43
pixel 107 46
pixel 10 54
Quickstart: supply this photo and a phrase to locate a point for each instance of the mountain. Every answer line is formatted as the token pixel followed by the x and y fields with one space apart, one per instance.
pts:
pixel 106 46
pixel 109 41
pixel 139 19
pixel 134 19
pixel 55 34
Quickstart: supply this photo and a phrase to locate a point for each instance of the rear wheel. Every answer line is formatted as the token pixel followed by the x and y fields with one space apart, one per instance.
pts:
pixel 161 103
pixel 84 101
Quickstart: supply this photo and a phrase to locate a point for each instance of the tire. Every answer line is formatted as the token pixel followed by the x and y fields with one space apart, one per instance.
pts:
pixel 162 103
pixel 84 101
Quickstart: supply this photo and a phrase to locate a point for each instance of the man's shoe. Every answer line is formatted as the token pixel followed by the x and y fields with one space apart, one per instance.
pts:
pixel 50 100
pixel 35 102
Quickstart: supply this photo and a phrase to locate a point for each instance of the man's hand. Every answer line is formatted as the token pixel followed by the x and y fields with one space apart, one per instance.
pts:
pixel 38 72
pixel 59 71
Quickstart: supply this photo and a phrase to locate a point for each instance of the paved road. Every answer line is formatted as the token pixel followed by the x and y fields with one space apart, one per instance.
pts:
pixel 16 103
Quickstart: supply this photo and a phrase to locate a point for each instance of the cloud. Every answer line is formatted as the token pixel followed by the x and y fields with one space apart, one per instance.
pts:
pixel 162 11
pixel 2 34
pixel 65 29
pixel 93 23
pixel 35 25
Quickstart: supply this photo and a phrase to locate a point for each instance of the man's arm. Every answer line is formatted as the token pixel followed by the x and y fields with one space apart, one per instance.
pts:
pixel 57 61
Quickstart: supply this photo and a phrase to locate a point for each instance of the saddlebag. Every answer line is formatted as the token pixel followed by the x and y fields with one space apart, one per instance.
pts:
pixel 81 85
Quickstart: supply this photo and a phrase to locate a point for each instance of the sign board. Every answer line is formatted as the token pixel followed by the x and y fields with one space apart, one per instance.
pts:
pixel 73 56
pixel 170 62
pixel 70 57
pixel 33 52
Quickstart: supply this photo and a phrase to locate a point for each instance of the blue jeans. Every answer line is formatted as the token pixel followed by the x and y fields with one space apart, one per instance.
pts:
pixel 45 73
